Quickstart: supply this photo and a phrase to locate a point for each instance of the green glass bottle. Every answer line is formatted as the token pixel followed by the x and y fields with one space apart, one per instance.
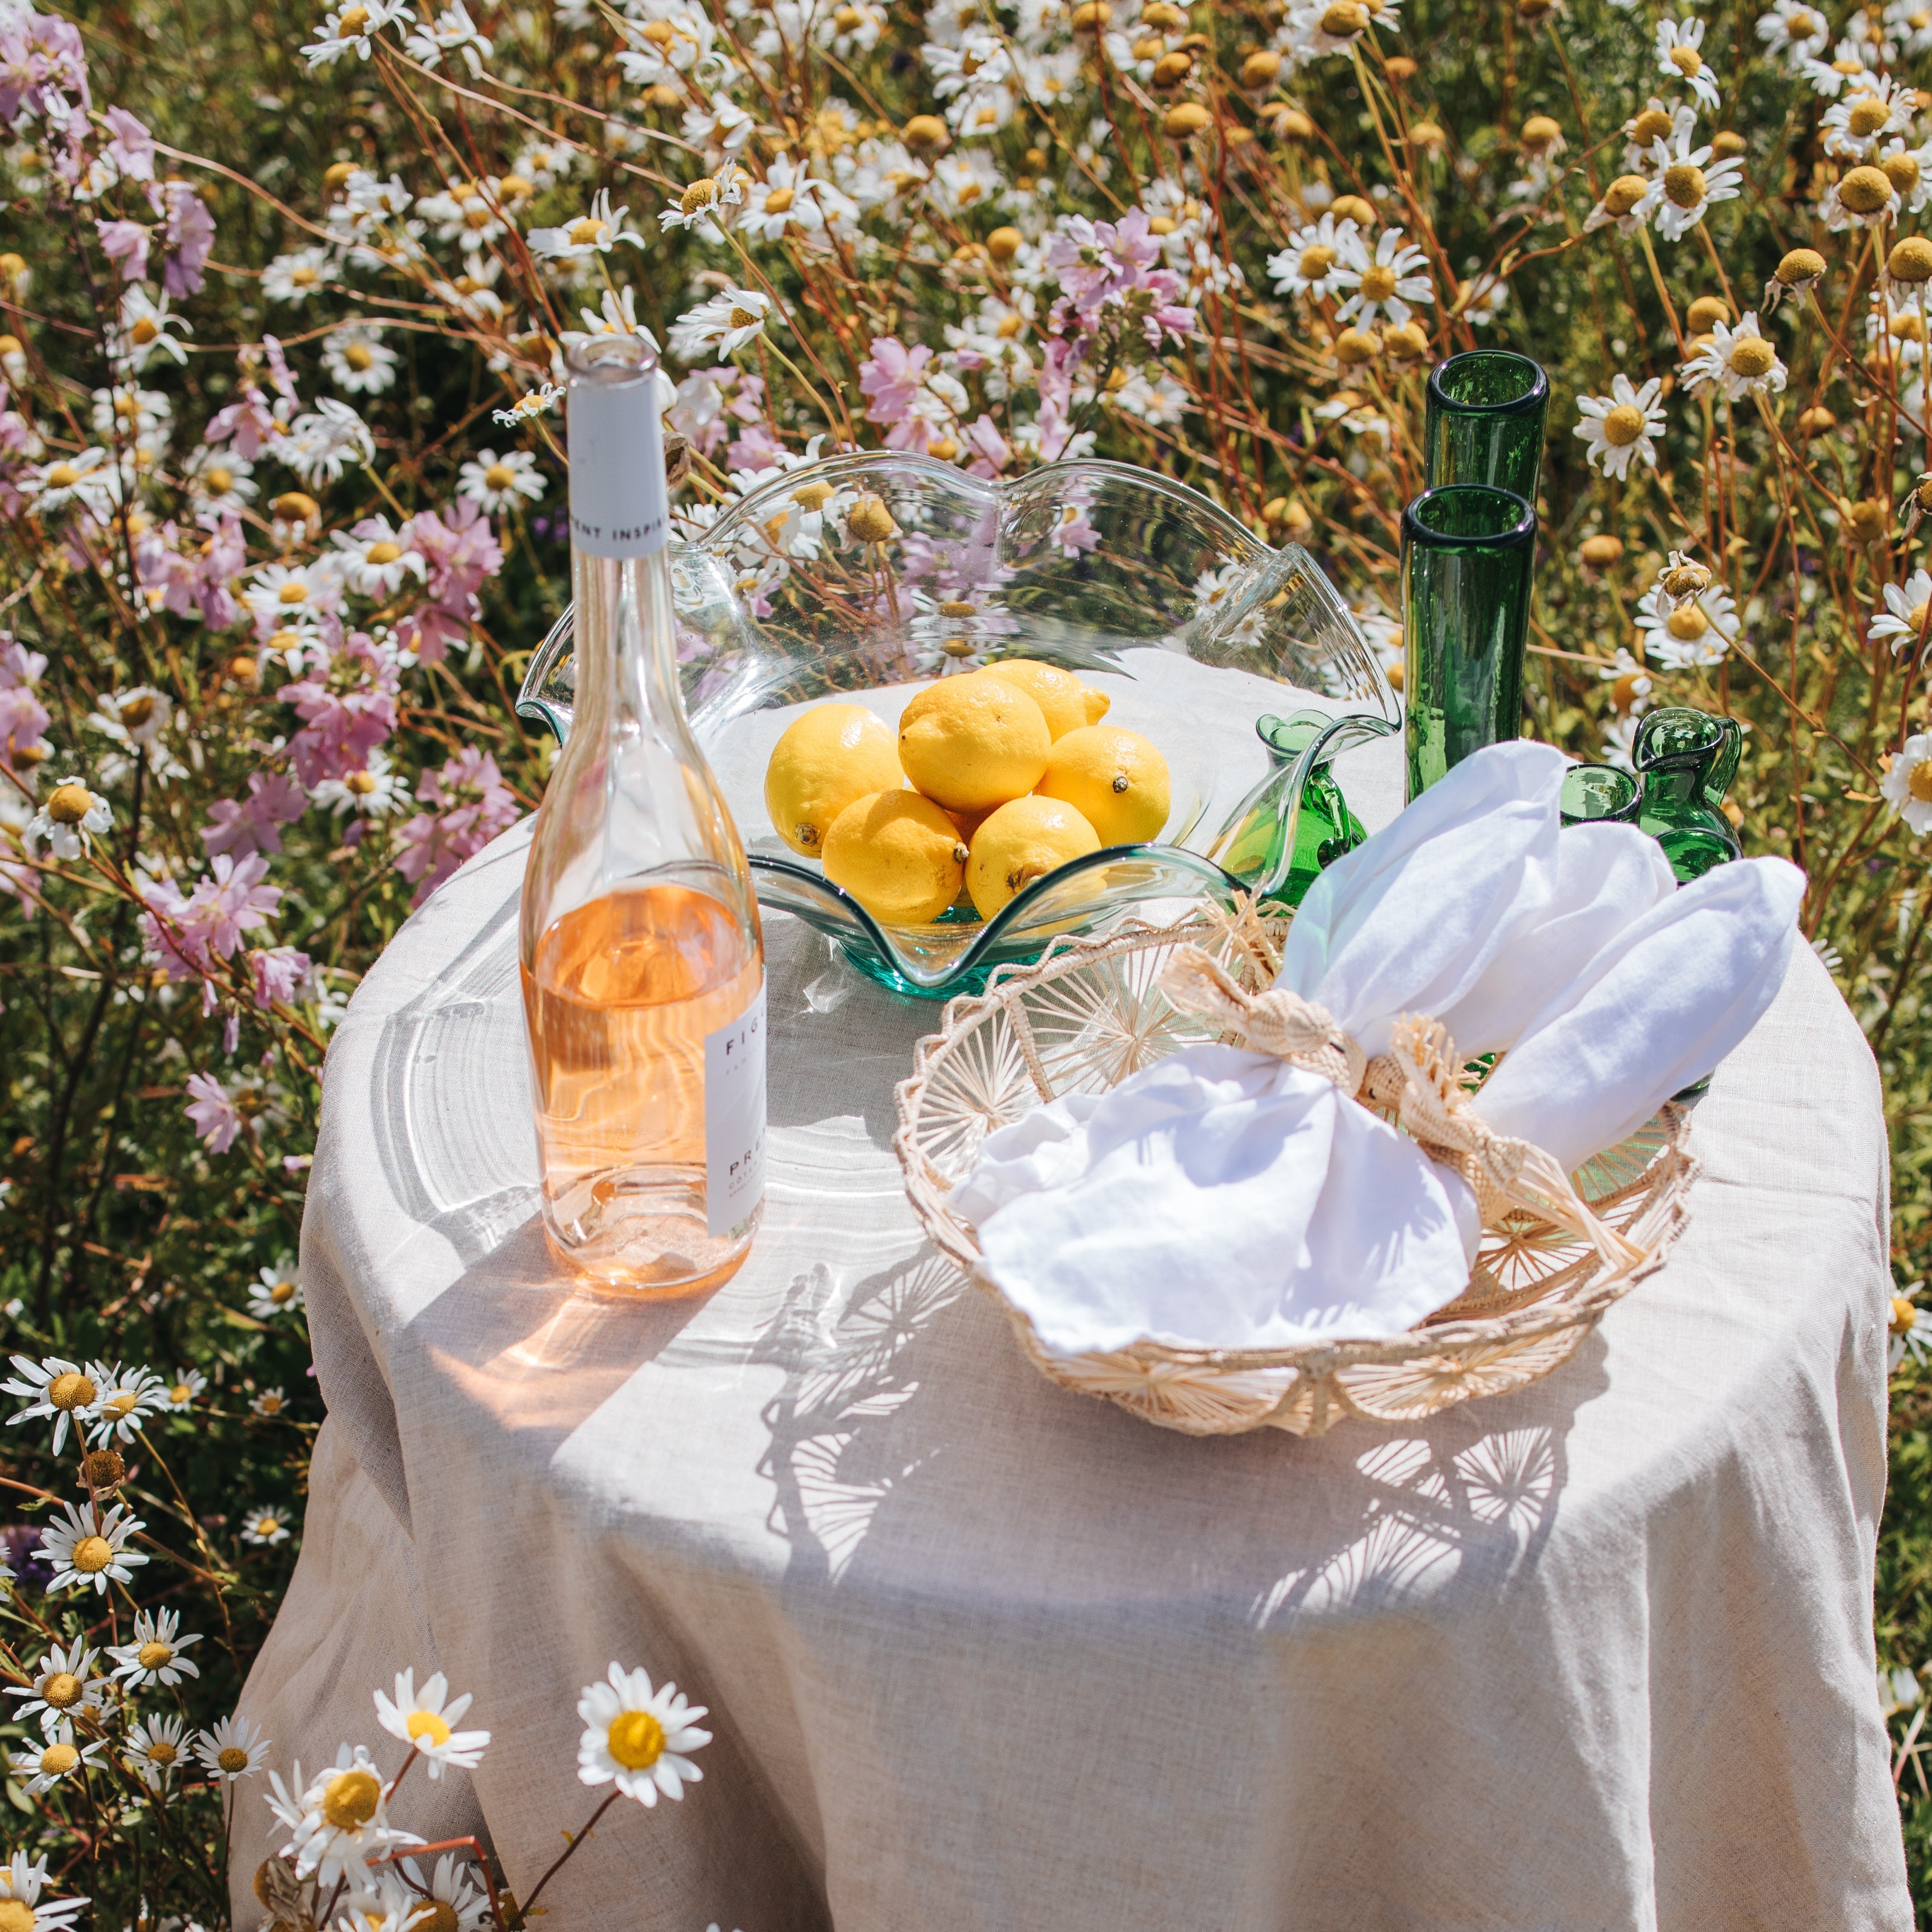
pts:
pixel 1595 792
pixel 1483 421
pixel 1467 551
pixel 1296 821
pixel 1685 761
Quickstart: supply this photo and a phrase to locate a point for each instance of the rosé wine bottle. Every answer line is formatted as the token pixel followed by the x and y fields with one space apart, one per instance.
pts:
pixel 643 968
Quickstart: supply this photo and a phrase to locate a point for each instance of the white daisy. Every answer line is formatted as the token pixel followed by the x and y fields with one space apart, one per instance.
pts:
pixel 188 1384
pixel 1855 124
pixel 56 1756
pixel 265 1527
pixel 1739 361
pixel 155 1656
pixel 1630 686
pixel 1307 265
pixel 1910 1328
pixel 279 593
pixel 320 444
pixel 270 1404
pixel 637 1737
pixel 275 1288
pixel 1794 30
pixel 1907 786
pixel 68 818
pixel 786 198
pixel 1386 283
pixel 126 1399
pixel 1618 428
pixel 1682 637
pixel 1910 23
pixel 343 1822
pixel 21 1879
pixel 1324 27
pixel 155 1749
pixel 296 276
pixel 1627 201
pixel 221 480
pixel 1908 169
pixel 141 331
pixel 348 30
pixel 58 1389
pixel 702 201
pixel 1687 181
pixel 721 326
pixel 234 1748
pixel 1678 59
pixel 374 792
pixel 373 559
pixel 64 1685
pixel 83 478
pixel 454 32
pixel 426 1720
pixel 358 361
pixel 497 482
pixel 447 1885
pixel 91 1547
pixel 1829 77
pixel 596 233
pixel 1903 619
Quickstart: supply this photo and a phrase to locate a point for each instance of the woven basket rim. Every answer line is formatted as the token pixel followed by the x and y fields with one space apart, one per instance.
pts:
pixel 1665 1178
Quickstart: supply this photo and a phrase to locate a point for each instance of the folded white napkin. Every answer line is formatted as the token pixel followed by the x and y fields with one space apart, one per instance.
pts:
pixel 1227 1198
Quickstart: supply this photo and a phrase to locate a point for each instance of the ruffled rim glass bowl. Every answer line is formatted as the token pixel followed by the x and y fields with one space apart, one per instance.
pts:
pixel 865 577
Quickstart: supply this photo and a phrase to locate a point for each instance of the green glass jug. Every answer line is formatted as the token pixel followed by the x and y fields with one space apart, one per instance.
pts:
pixel 1685 761
pixel 1296 820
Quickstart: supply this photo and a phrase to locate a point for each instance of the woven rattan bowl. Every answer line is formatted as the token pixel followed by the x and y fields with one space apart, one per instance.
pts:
pixel 1091 1012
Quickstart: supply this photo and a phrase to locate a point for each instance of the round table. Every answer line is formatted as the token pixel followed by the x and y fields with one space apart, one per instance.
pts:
pixel 982 1653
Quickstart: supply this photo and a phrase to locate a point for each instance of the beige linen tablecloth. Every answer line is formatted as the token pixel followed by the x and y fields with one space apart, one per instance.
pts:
pixel 983 1654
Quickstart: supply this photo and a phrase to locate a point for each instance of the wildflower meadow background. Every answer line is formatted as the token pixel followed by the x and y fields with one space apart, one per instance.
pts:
pixel 282 302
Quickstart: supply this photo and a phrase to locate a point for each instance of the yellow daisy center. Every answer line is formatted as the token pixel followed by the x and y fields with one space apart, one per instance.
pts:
pixel 1684 184
pixel 120 1402
pixel 304 276
pixel 1902 171
pixel 68 805
pixel 1623 425
pixel 500 476
pixel 1316 261
pixel 350 1800
pixel 1341 19
pixel 232 1758
pixel 1624 194
pixel 62 476
pixel 1378 283
pixel 779 201
pixel 359 355
pixel 145 330
pixel 426 1727
pixel 585 230
pixel 160 1751
pixel 434 1914
pixel 637 1739
pixel 376 553
pixel 354 20
pixel 1865 190
pixel 57 1760
pixel 293 591
pixel 1866 116
pixel 152 1656
pixel 70 1390
pixel 1687 61
pixel 1751 356
pixel 62 1691
pixel 743 318
pixel 180 1392
pixel 1904 1314
pixel 1688 625
pixel 1919 785
pixel 16 1915
pixel 701 194
pixel 1802 26
pixel 92 1555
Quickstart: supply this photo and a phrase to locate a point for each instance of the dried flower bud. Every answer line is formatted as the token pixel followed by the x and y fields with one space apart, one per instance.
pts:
pixel 336 178
pixel 1910 260
pixel 1186 120
pixel 1706 313
pixel 296 506
pixel 1260 68
pixel 1166 16
pixel 1726 145
pixel 103 1469
pixel 68 805
pixel 1289 121
pixel 1354 207
pixel 1406 344
pixel 1091 16
pixel 1171 69
pixel 1539 131
pixel 1867 519
pixel 1400 69
pixel 1652 124
pixel 1816 421
pixel 924 131
pixel 1355 346
pixel 1004 244
pixel 1624 194
pixel 1801 268
pixel 869 521
pixel 1426 134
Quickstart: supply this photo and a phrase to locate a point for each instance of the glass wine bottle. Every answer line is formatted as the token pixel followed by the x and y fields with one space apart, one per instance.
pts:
pixel 642 958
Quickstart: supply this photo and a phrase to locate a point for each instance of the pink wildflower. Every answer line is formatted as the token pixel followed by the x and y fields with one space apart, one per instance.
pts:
pixel 279 974
pixel 252 824
pixel 347 700
pixel 132 149
pixel 187 934
pixel 23 718
pixel 991 455
pixel 188 236
pixel 459 552
pixel 216 1117
pixel 42 58
pixel 125 242
pixel 474 805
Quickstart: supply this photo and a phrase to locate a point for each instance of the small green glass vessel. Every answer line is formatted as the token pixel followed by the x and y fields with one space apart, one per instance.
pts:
pixel 1592 793
pixel 1685 761
pixel 1483 421
pixel 1467 551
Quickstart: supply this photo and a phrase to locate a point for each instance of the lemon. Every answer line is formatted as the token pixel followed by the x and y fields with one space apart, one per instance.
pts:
pixel 1064 701
pixel 972 742
pixel 898 854
pixel 1114 779
pixel 831 755
pixel 1020 843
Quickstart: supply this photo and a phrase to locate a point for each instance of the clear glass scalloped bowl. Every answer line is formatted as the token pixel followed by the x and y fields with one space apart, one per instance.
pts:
pixel 864 577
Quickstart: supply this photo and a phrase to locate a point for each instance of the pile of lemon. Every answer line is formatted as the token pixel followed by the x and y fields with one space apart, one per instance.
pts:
pixel 994 777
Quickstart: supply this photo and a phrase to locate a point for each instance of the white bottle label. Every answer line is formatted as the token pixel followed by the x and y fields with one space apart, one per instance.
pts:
pixel 734 1119
pixel 618 501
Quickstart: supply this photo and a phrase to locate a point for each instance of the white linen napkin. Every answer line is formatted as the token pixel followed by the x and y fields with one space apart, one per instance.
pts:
pixel 1225 1198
